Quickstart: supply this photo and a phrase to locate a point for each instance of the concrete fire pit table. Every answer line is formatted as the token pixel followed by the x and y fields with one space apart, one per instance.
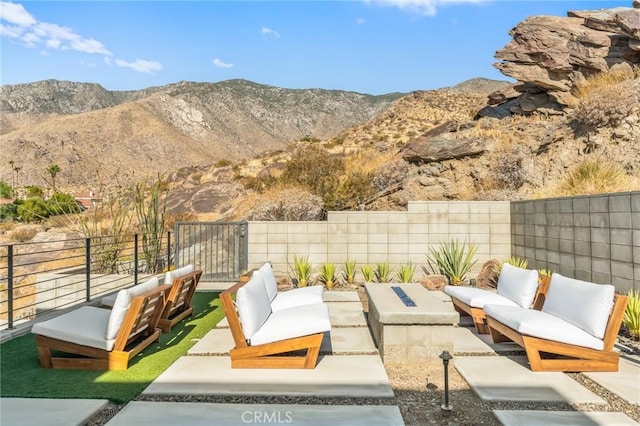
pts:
pixel 406 333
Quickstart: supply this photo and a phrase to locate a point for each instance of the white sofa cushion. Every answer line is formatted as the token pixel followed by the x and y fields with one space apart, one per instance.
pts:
pixel 583 304
pixel 84 326
pixel 136 290
pixel 476 297
pixel 253 305
pixel 293 322
pixel 297 297
pixel 122 303
pixel 542 325
pixel 269 280
pixel 170 276
pixel 517 284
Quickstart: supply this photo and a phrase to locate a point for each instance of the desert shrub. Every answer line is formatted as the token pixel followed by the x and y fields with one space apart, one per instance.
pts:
pixel 606 79
pixel 594 177
pixel 222 163
pixel 61 203
pixel 287 204
pixel 509 170
pixel 8 212
pixel 5 190
pixel 350 193
pixel 35 191
pixel 172 218
pixel 608 105
pixel 314 168
pixel 23 234
pixel 390 174
pixel 33 209
pixel 453 260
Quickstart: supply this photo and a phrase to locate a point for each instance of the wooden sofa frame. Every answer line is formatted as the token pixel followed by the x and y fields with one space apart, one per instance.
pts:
pixel 480 318
pixel 262 356
pixel 574 358
pixel 178 304
pixel 138 330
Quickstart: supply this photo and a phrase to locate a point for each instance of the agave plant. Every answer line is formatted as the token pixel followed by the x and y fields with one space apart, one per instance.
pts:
pixel 301 269
pixel 453 260
pixel 383 272
pixel 514 261
pixel 328 274
pixel 406 272
pixel 631 319
pixel 367 273
pixel 349 271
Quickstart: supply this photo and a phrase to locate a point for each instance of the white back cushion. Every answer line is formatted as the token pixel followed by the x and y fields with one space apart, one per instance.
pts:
pixel 253 305
pixel 269 280
pixel 517 284
pixel 122 303
pixel 177 273
pixel 583 304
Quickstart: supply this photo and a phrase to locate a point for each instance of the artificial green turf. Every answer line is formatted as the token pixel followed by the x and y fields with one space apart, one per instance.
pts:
pixel 22 376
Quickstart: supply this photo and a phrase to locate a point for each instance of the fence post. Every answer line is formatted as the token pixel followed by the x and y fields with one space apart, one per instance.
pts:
pixel 87 267
pixel 10 286
pixel 135 259
pixel 168 250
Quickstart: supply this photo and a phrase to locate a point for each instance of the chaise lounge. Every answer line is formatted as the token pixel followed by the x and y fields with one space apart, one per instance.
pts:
pixel 271 339
pixel 291 298
pixel 578 325
pixel 102 339
pixel 517 287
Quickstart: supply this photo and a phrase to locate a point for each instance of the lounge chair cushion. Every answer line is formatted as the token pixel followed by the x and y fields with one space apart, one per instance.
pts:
pixel 518 284
pixel 122 303
pixel 297 297
pixel 269 280
pixel 253 305
pixel 83 326
pixel 170 276
pixel 476 297
pixel 110 300
pixel 583 304
pixel 293 322
pixel 542 325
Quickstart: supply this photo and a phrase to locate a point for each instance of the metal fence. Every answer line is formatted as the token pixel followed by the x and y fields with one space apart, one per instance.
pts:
pixel 219 249
pixel 39 278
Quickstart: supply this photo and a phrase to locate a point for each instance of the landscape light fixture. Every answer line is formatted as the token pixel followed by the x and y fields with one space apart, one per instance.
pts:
pixel 446 357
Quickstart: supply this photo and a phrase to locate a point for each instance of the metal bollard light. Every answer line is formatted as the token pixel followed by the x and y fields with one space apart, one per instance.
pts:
pixel 446 357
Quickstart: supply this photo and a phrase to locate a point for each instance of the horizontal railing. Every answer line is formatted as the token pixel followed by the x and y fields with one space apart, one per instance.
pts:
pixel 39 278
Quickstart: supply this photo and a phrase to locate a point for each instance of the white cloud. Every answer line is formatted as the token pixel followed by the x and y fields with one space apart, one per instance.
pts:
pixel 11 31
pixel 218 63
pixel 53 43
pixel 269 32
pixel 140 65
pixel 360 21
pixel 422 7
pixel 15 14
pixel 45 53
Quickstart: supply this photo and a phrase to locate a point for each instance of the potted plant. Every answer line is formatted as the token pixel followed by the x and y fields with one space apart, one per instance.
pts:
pixel 301 269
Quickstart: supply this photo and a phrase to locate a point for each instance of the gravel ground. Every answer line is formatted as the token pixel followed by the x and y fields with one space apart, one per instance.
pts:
pixel 419 393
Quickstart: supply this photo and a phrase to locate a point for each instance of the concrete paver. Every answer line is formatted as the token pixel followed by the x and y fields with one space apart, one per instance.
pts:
pixel 561 418
pixel 334 376
pixel 339 341
pixel 50 412
pixel 146 413
pixel 625 382
pixel 340 296
pixel 466 341
pixel 501 378
pixel 346 314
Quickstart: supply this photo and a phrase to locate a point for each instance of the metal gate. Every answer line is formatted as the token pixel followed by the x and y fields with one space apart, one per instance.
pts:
pixel 219 249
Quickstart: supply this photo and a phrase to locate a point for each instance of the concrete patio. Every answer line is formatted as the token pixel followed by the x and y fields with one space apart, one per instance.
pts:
pixel 350 367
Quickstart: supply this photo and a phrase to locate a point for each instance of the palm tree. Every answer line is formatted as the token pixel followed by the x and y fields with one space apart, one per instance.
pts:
pixel 16 169
pixel 53 170
pixel 13 172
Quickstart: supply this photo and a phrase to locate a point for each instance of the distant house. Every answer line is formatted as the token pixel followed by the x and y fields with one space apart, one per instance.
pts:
pixel 88 199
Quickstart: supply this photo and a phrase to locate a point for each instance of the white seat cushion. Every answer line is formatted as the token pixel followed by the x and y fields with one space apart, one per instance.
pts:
pixel 293 322
pixel 542 325
pixel 583 304
pixel 110 300
pixel 517 284
pixel 476 297
pixel 253 305
pixel 122 303
pixel 83 326
pixel 170 276
pixel 269 280
pixel 297 297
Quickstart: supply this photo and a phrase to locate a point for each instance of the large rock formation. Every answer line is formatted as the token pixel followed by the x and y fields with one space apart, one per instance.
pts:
pixel 550 55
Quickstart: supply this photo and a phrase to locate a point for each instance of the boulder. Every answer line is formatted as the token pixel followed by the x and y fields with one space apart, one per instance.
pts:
pixel 488 277
pixel 434 282
pixel 433 149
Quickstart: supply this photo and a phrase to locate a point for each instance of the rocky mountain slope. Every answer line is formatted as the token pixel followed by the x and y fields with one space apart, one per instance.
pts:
pixel 98 136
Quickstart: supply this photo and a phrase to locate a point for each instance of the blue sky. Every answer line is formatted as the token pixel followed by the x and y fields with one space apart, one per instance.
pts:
pixel 370 46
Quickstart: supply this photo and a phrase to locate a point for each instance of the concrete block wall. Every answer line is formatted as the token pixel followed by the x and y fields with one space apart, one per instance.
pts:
pixel 393 237
pixel 592 238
